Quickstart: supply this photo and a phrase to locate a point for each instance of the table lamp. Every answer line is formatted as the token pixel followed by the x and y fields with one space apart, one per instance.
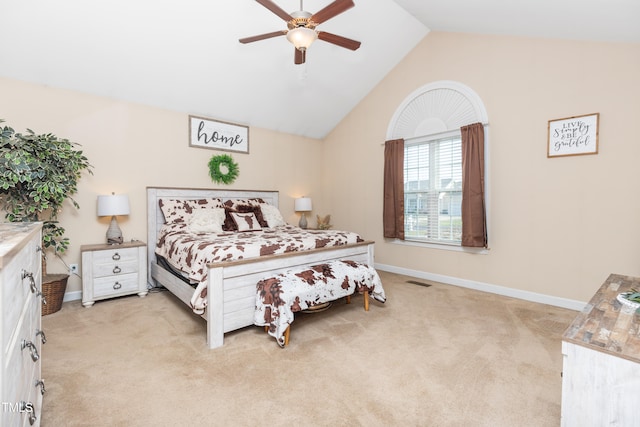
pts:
pixel 302 204
pixel 113 205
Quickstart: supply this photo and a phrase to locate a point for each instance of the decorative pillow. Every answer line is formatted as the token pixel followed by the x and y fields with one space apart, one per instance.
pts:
pixel 179 211
pixel 229 224
pixel 272 215
pixel 235 206
pixel 206 220
pixel 234 203
pixel 246 221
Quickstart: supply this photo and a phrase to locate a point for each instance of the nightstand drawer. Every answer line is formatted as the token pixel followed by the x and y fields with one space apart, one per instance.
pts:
pixel 114 285
pixel 115 268
pixel 115 255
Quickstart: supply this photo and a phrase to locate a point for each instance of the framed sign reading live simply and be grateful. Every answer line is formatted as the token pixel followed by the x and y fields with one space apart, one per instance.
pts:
pixel 217 135
pixel 573 136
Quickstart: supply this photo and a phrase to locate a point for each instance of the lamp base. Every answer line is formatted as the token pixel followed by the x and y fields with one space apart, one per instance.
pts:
pixel 114 234
pixel 303 221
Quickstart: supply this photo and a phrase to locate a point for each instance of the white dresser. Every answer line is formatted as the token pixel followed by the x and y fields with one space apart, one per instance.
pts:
pixel 20 324
pixel 601 361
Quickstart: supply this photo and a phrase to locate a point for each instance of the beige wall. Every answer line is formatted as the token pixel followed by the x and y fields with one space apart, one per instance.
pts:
pixel 558 226
pixel 133 146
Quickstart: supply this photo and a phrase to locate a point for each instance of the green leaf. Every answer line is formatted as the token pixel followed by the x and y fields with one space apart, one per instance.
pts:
pixel 38 172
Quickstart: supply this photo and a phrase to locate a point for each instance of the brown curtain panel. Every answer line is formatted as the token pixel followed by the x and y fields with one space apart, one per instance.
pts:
pixel 474 222
pixel 393 209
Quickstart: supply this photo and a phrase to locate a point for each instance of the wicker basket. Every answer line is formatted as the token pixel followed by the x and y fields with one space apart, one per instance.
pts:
pixel 53 288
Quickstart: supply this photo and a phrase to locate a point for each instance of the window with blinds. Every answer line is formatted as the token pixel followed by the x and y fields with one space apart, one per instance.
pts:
pixel 433 189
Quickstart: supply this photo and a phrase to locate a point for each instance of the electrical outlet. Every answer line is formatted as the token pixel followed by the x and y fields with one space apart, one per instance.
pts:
pixel 73 268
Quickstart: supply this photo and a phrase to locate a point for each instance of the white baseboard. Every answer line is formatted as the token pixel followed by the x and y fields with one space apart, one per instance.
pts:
pixel 72 296
pixel 479 286
pixel 486 287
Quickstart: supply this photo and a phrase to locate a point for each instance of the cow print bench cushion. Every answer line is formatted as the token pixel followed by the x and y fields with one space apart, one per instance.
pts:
pixel 280 296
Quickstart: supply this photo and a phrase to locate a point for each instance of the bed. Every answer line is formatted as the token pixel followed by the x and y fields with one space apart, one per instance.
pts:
pixel 230 297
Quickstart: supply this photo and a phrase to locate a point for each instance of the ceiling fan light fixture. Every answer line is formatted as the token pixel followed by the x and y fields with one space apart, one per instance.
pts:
pixel 301 27
pixel 302 37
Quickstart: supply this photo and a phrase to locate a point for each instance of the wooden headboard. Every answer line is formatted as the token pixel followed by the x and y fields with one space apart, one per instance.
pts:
pixel 155 218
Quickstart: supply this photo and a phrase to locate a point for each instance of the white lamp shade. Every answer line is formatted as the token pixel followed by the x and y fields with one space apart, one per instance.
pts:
pixel 302 204
pixel 302 37
pixel 115 204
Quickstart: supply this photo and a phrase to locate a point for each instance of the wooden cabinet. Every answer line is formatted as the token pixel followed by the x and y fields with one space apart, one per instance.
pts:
pixel 601 360
pixel 21 332
pixel 113 270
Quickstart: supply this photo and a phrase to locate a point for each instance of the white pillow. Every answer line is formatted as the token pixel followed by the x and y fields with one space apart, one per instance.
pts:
pixel 179 211
pixel 206 220
pixel 272 215
pixel 246 221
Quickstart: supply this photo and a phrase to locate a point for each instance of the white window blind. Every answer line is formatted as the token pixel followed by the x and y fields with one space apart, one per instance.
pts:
pixel 433 189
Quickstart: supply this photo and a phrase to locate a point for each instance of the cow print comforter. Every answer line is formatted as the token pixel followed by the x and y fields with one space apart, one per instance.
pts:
pixel 190 252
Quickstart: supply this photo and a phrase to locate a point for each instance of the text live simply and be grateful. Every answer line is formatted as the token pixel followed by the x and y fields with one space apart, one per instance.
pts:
pixel 573 134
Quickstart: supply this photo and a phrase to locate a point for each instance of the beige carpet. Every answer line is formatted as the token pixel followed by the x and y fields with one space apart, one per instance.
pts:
pixel 431 356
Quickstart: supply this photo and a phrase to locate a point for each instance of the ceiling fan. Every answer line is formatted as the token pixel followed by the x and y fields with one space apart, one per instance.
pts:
pixel 302 25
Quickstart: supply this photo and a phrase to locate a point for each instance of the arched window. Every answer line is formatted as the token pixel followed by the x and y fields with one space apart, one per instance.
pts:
pixel 429 121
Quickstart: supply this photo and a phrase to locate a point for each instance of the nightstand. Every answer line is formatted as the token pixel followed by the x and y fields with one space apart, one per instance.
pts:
pixel 113 270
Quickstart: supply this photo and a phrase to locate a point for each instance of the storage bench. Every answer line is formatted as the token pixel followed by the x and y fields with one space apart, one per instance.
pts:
pixel 280 296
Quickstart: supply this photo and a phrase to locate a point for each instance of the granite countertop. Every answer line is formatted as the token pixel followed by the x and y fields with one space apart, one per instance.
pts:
pixel 13 236
pixel 605 324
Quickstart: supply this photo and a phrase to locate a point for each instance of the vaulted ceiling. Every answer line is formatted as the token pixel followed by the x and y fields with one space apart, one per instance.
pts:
pixel 185 55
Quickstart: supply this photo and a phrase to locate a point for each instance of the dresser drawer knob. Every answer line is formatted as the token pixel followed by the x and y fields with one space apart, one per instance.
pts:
pixel 44 299
pixel 116 256
pixel 40 383
pixel 117 286
pixel 32 348
pixel 44 337
pixel 116 270
pixel 32 416
pixel 32 282
pixel 28 407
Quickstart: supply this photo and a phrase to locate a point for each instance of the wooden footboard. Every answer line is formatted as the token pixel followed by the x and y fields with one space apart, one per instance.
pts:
pixel 232 285
pixel 231 293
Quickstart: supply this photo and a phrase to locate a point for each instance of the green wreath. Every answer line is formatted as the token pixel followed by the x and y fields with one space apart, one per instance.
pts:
pixel 215 172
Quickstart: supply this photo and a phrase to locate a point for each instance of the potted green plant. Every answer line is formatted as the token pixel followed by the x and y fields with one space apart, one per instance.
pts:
pixel 38 174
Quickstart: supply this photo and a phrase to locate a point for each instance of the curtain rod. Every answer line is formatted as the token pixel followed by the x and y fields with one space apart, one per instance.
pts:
pixel 444 132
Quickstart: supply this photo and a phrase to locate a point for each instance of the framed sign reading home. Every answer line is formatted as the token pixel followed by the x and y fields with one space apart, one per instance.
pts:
pixel 573 136
pixel 217 135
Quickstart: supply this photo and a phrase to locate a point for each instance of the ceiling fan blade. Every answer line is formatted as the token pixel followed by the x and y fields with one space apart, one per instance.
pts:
pixel 263 36
pixel 338 40
pixel 300 56
pixel 335 8
pixel 275 9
